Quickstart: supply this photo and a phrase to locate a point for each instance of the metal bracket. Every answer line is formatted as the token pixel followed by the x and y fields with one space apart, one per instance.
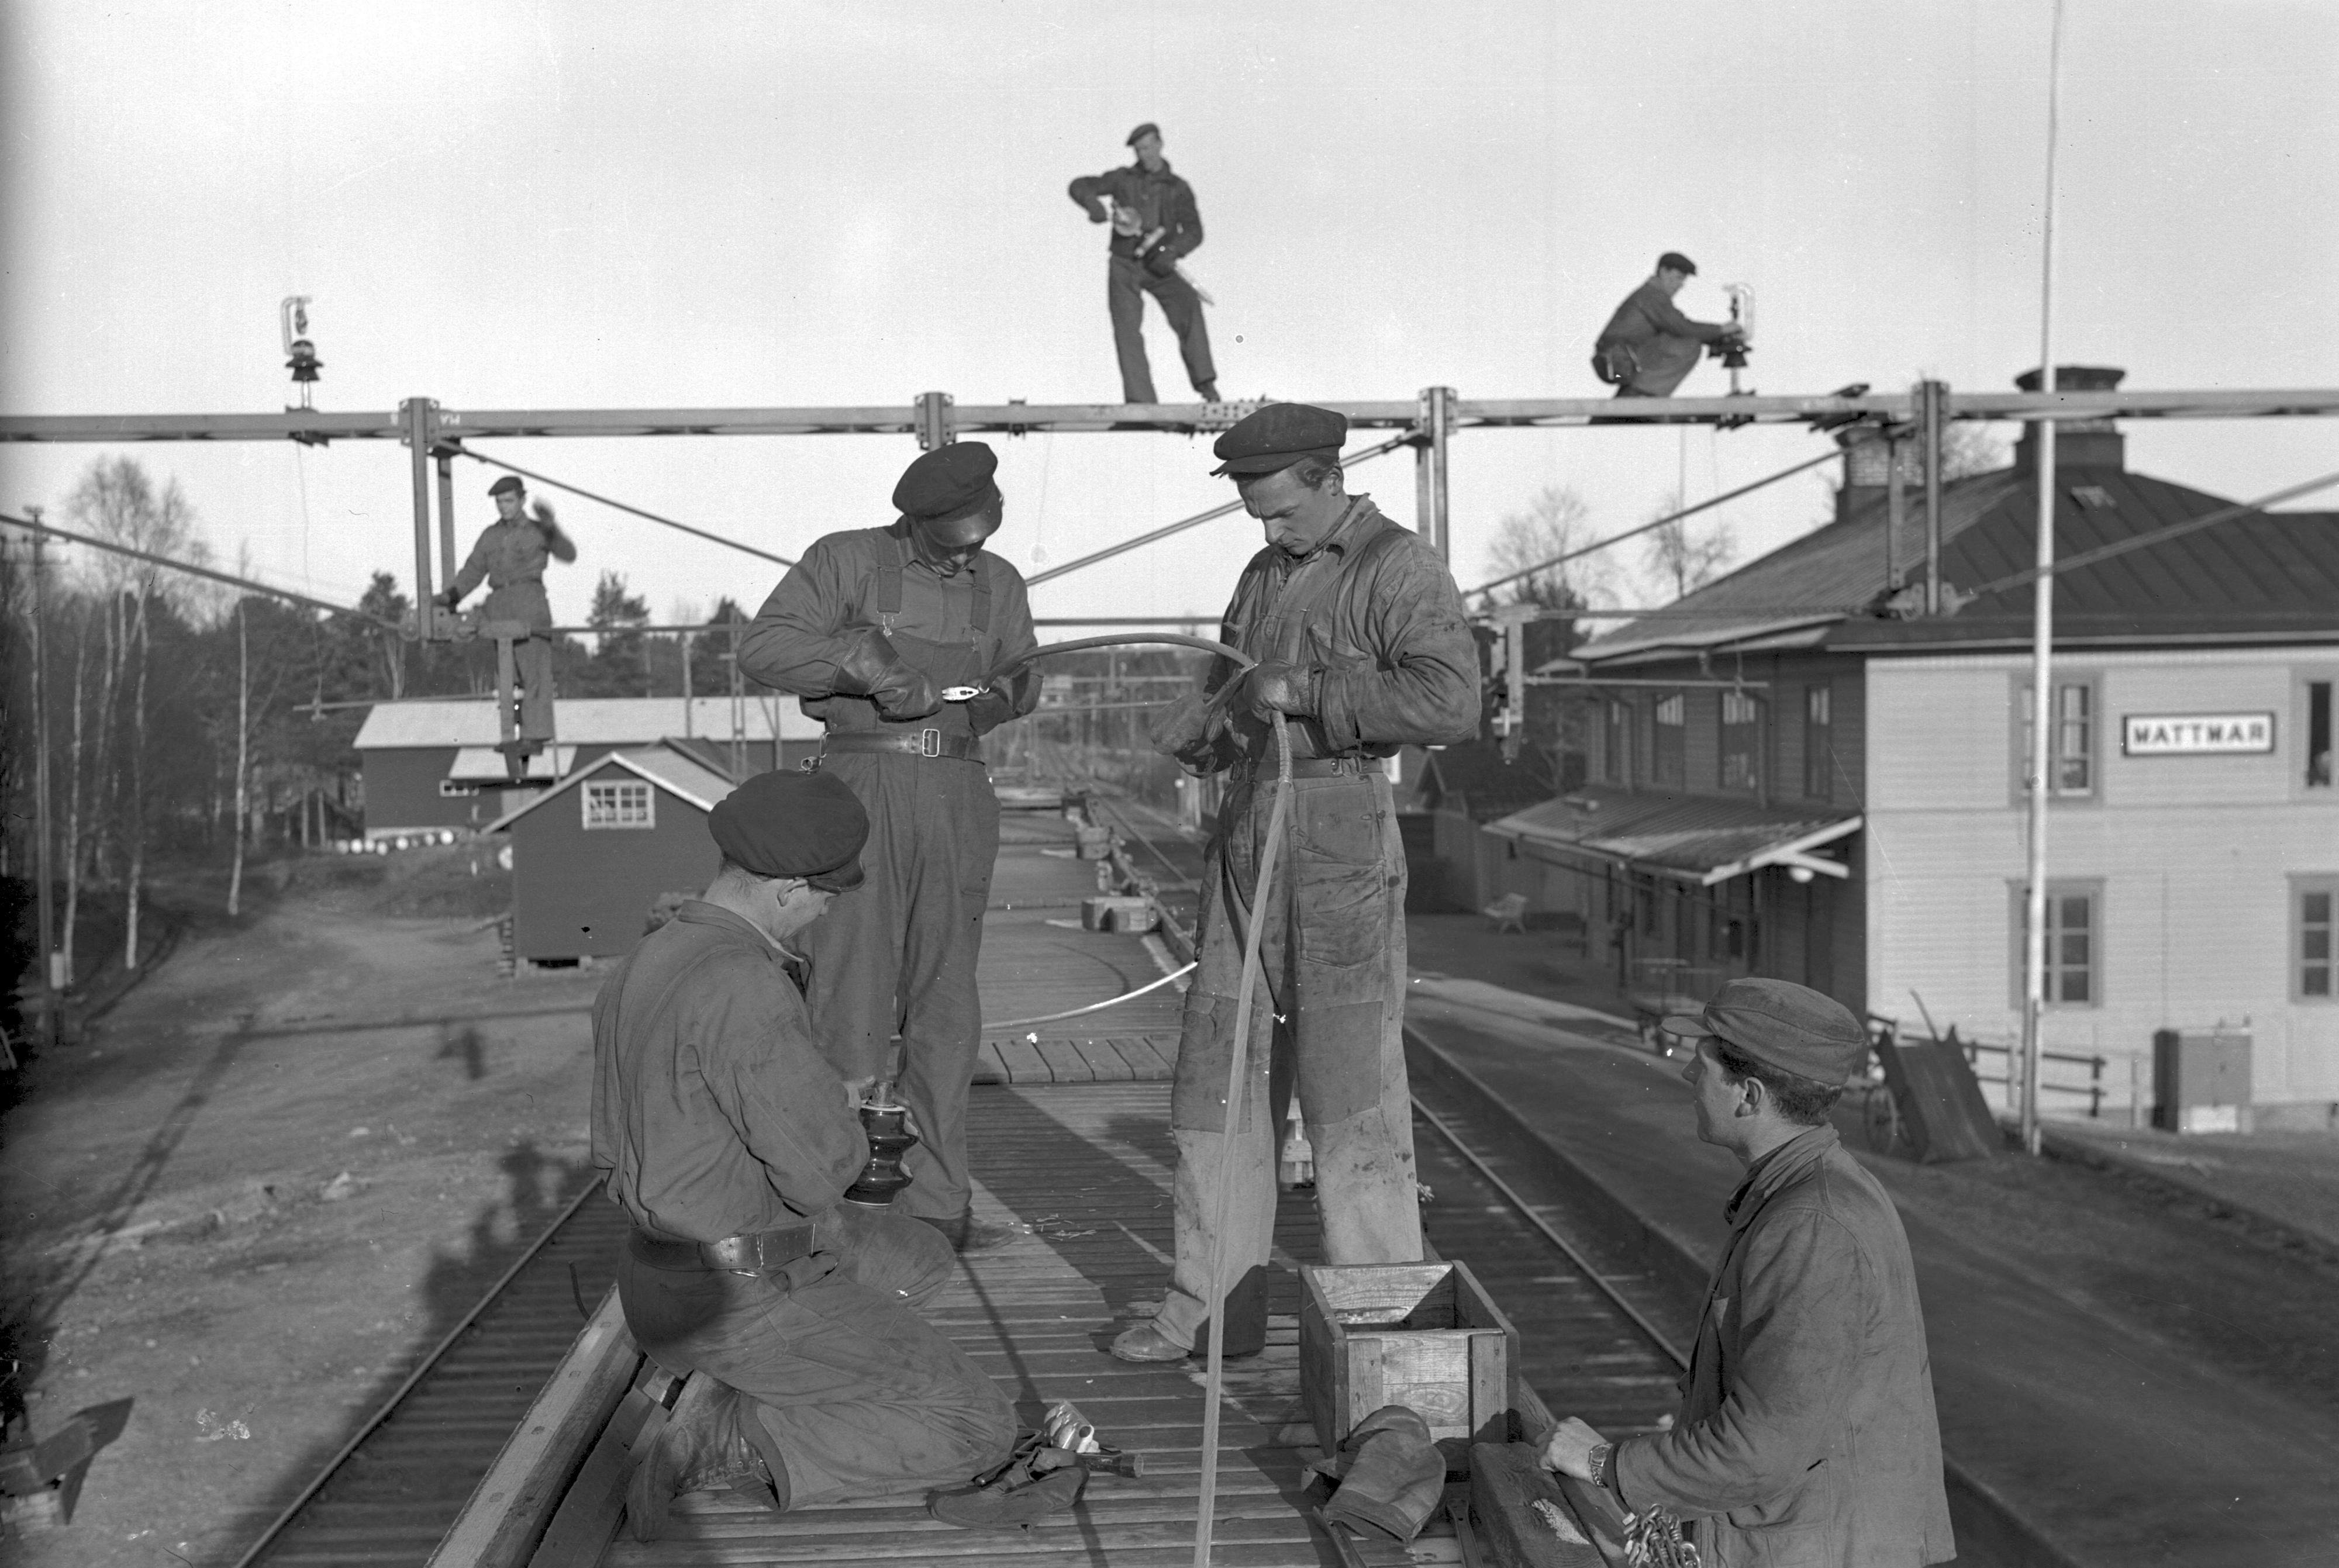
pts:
pixel 935 420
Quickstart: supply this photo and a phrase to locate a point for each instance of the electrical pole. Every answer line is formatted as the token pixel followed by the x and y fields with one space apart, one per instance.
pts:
pixel 43 868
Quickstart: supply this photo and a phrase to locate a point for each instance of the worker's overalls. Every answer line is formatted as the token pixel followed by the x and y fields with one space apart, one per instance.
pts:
pixel 1327 1016
pixel 898 953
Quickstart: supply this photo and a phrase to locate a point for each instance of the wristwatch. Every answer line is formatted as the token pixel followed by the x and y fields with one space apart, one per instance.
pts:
pixel 1597 1462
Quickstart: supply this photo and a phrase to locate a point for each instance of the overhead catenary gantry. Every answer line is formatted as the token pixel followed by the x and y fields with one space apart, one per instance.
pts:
pixel 436 434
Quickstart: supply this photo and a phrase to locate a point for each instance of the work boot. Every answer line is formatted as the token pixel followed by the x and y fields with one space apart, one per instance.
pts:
pixel 702 1447
pixel 1391 1474
pixel 1209 390
pixel 969 1234
pixel 1246 1313
pixel 1038 1479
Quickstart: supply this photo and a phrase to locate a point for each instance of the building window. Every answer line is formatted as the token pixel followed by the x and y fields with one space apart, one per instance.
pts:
pixel 1618 755
pixel 1741 743
pixel 2314 973
pixel 622 805
pixel 1819 740
pixel 2318 735
pixel 450 789
pixel 2071 760
pixel 1668 754
pixel 2074 943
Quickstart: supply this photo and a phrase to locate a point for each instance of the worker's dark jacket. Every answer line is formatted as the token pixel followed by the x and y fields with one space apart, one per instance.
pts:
pixel 1378 617
pixel 1807 1436
pixel 1161 201
pixel 1649 313
pixel 510 556
pixel 714 1112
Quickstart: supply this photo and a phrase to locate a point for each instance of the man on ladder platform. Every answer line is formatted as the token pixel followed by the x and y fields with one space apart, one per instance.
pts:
pixel 509 557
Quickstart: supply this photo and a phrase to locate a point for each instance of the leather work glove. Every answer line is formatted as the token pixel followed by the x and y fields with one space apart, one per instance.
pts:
pixel 1278 687
pixel 1181 727
pixel 999 703
pixel 870 667
pixel 446 597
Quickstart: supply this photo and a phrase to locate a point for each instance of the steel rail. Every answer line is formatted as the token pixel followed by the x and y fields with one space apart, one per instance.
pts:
pixel 1656 1336
pixel 1016 419
pixel 389 1405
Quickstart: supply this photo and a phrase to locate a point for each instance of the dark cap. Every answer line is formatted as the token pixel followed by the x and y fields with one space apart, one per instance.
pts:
pixel 1674 261
pixel 801 825
pixel 509 484
pixel 1277 436
pixel 1791 1027
pixel 947 482
pixel 1147 129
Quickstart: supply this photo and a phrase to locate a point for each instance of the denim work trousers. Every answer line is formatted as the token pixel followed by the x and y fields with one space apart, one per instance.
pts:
pixel 1126 285
pixel 1326 1021
pixel 898 953
pixel 1664 364
pixel 848 1392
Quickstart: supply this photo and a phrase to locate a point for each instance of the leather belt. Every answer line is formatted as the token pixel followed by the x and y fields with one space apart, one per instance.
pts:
pixel 924 743
pixel 746 1254
pixel 1355 764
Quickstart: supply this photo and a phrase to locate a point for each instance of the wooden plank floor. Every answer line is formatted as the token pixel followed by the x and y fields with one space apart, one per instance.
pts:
pixel 1087 1169
pixel 1036 960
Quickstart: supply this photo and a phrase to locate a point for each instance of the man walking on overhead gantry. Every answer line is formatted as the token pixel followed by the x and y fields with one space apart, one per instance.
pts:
pixel 1154 224
pixel 509 557
pixel 868 630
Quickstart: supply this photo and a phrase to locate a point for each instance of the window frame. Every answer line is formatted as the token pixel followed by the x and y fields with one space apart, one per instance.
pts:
pixel 1819 741
pixel 1677 752
pixel 2092 889
pixel 2302 784
pixel 451 789
pixel 1617 742
pixel 648 822
pixel 2302 886
pixel 2018 743
pixel 1750 730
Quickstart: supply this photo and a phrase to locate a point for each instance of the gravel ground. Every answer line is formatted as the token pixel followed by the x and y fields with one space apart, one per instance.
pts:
pixel 269 1179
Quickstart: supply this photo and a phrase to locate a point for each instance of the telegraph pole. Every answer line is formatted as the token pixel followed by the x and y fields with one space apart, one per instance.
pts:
pixel 43 869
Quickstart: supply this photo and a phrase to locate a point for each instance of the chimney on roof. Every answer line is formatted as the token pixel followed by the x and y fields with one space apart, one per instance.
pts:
pixel 1868 469
pixel 2079 443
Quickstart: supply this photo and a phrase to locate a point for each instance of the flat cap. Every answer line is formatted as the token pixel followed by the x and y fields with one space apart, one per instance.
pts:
pixel 508 484
pixel 1147 129
pixel 947 482
pixel 794 824
pixel 1277 436
pixel 1791 1027
pixel 1674 261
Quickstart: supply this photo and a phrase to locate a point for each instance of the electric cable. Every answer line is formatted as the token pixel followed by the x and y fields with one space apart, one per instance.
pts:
pixel 2069 564
pixel 1092 1007
pixel 620 506
pixel 193 571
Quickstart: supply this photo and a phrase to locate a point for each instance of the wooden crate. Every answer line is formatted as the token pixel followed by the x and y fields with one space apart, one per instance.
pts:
pixel 1421 1335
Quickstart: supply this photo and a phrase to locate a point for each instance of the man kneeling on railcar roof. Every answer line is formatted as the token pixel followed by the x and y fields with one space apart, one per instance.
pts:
pixel 730 1141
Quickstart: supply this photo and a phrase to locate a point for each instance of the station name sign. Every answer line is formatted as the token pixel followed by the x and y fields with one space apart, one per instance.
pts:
pixel 2195 735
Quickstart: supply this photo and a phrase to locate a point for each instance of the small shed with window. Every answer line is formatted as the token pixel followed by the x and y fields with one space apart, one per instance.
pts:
pixel 592 855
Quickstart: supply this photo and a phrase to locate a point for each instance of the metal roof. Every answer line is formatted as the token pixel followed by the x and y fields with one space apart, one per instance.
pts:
pixel 1695 838
pixel 583 721
pixel 668 769
pixel 1485 784
pixel 2265 573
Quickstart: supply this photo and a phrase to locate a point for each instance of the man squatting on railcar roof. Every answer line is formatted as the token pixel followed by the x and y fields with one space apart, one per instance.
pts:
pixel 1359 633
pixel 729 1140
pixel 1806 1433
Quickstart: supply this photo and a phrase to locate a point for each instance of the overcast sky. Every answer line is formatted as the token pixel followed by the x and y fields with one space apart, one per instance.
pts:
pixel 583 205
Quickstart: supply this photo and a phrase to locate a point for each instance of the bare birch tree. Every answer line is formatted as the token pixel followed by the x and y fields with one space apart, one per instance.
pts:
pixel 1682 557
pixel 1555 523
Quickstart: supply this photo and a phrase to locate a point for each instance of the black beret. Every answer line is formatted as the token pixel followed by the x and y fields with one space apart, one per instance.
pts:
pixel 794 824
pixel 1277 436
pixel 509 483
pixel 1674 261
pixel 947 481
pixel 1147 129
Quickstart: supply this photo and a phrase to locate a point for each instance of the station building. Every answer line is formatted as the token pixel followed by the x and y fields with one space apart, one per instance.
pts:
pixel 1795 773
pixel 430 764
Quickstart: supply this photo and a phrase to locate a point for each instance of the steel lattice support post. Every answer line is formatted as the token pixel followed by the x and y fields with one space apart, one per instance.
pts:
pixel 447 563
pixel 420 418
pixel 1932 405
pixel 1429 469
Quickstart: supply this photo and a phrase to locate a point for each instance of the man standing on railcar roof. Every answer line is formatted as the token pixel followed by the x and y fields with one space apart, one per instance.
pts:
pixel 1807 1432
pixel 1359 633
pixel 729 1141
pixel 509 557
pixel 1155 224
pixel 868 630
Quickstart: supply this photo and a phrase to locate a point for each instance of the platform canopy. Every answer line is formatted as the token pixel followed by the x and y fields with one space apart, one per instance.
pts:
pixel 1689 838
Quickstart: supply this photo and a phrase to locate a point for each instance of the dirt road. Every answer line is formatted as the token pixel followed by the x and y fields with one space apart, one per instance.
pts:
pixel 275 1175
